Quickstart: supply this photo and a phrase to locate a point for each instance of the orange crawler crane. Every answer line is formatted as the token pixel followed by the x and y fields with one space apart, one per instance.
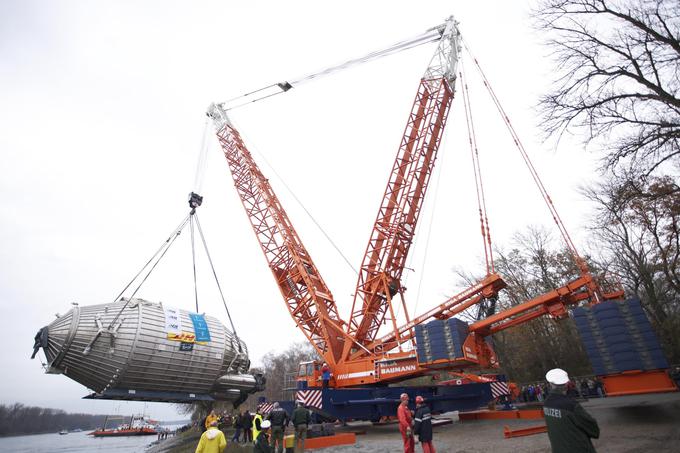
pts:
pixel 363 362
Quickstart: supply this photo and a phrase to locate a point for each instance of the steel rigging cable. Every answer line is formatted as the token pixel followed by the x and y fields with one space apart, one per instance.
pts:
pixel 162 250
pixel 195 201
pixel 431 35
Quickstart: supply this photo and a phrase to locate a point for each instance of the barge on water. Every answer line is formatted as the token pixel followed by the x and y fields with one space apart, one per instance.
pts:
pixel 138 426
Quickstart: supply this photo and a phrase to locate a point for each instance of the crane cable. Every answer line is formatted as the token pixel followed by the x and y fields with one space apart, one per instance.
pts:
pixel 201 162
pixel 160 253
pixel 532 170
pixel 431 35
pixel 193 255
pixel 217 281
pixel 201 165
pixel 162 250
pixel 477 170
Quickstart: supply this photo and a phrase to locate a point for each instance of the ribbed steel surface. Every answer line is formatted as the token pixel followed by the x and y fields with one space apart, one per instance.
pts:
pixel 139 354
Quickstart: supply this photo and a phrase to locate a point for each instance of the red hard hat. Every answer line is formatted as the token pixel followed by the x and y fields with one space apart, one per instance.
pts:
pixel 419 399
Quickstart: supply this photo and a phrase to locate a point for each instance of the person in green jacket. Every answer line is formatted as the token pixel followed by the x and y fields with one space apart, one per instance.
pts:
pixel 212 440
pixel 262 442
pixel 570 427
pixel 301 420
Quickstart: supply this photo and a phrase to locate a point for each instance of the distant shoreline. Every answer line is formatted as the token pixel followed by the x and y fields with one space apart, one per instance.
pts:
pixel 2 436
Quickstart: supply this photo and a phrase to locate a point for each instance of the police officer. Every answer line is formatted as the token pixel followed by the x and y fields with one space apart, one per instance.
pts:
pixel 279 420
pixel 570 427
pixel 262 442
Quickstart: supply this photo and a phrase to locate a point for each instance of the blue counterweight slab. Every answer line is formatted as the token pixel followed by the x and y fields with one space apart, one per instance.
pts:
pixel 441 339
pixel 604 307
pixel 616 321
pixel 617 336
pixel 634 305
pixel 459 330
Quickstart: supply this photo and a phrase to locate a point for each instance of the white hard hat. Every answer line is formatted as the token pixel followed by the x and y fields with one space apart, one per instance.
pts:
pixel 557 376
pixel 266 424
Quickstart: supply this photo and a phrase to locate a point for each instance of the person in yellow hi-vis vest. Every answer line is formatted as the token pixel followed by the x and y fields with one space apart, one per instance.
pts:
pixel 257 424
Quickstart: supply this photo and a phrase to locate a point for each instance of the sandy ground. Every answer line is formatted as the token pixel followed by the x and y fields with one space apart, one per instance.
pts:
pixel 640 423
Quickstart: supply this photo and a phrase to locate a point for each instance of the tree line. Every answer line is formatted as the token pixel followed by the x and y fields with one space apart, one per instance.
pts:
pixel 20 419
pixel 616 88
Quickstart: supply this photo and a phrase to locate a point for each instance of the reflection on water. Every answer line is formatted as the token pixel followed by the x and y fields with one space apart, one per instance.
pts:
pixel 42 443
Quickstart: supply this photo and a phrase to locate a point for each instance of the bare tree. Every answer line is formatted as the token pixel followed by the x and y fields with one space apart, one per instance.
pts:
pixel 618 66
pixel 532 265
pixel 637 231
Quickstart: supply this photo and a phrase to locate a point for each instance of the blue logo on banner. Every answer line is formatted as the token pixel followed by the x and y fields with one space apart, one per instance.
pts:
pixel 200 327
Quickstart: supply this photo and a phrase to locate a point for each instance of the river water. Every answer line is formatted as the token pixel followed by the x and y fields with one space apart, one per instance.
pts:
pixel 49 443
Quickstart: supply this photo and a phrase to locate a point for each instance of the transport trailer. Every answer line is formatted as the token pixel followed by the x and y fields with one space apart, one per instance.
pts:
pixel 373 403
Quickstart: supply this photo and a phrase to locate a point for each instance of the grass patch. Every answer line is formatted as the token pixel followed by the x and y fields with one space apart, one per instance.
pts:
pixel 187 441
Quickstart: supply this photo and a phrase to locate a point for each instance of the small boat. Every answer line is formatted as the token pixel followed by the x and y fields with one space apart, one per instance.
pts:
pixel 138 426
pixel 63 431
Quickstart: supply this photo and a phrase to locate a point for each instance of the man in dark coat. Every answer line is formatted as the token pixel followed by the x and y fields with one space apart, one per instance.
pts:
pixel 247 425
pixel 279 421
pixel 423 425
pixel 570 427
pixel 237 423
pixel 301 420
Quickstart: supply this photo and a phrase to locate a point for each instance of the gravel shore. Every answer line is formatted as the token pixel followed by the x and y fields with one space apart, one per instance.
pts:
pixel 631 424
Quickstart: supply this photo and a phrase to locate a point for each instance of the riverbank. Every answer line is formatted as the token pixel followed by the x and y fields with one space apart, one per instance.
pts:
pixel 186 443
pixel 629 424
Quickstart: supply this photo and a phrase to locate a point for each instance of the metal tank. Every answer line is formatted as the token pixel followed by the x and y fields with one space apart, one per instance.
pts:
pixel 143 351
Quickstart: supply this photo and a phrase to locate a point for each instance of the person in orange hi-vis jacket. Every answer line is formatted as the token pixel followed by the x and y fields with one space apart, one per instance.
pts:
pixel 405 424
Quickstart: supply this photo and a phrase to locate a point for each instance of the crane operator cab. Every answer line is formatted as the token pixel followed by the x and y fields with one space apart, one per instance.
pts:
pixel 310 374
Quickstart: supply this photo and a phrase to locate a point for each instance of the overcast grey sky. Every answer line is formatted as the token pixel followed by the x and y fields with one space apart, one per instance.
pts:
pixel 101 118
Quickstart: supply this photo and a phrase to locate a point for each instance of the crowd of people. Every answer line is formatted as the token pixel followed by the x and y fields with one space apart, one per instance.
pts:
pixel 164 433
pixel 570 427
pixel 538 391
pixel 266 433
pixel 533 392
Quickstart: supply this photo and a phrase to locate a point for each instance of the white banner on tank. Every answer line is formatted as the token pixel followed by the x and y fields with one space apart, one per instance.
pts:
pixel 173 320
pixel 173 326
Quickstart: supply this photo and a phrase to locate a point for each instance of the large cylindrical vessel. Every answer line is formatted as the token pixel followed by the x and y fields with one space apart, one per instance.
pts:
pixel 140 350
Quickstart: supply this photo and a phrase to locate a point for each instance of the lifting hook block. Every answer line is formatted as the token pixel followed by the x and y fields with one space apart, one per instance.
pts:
pixel 195 200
